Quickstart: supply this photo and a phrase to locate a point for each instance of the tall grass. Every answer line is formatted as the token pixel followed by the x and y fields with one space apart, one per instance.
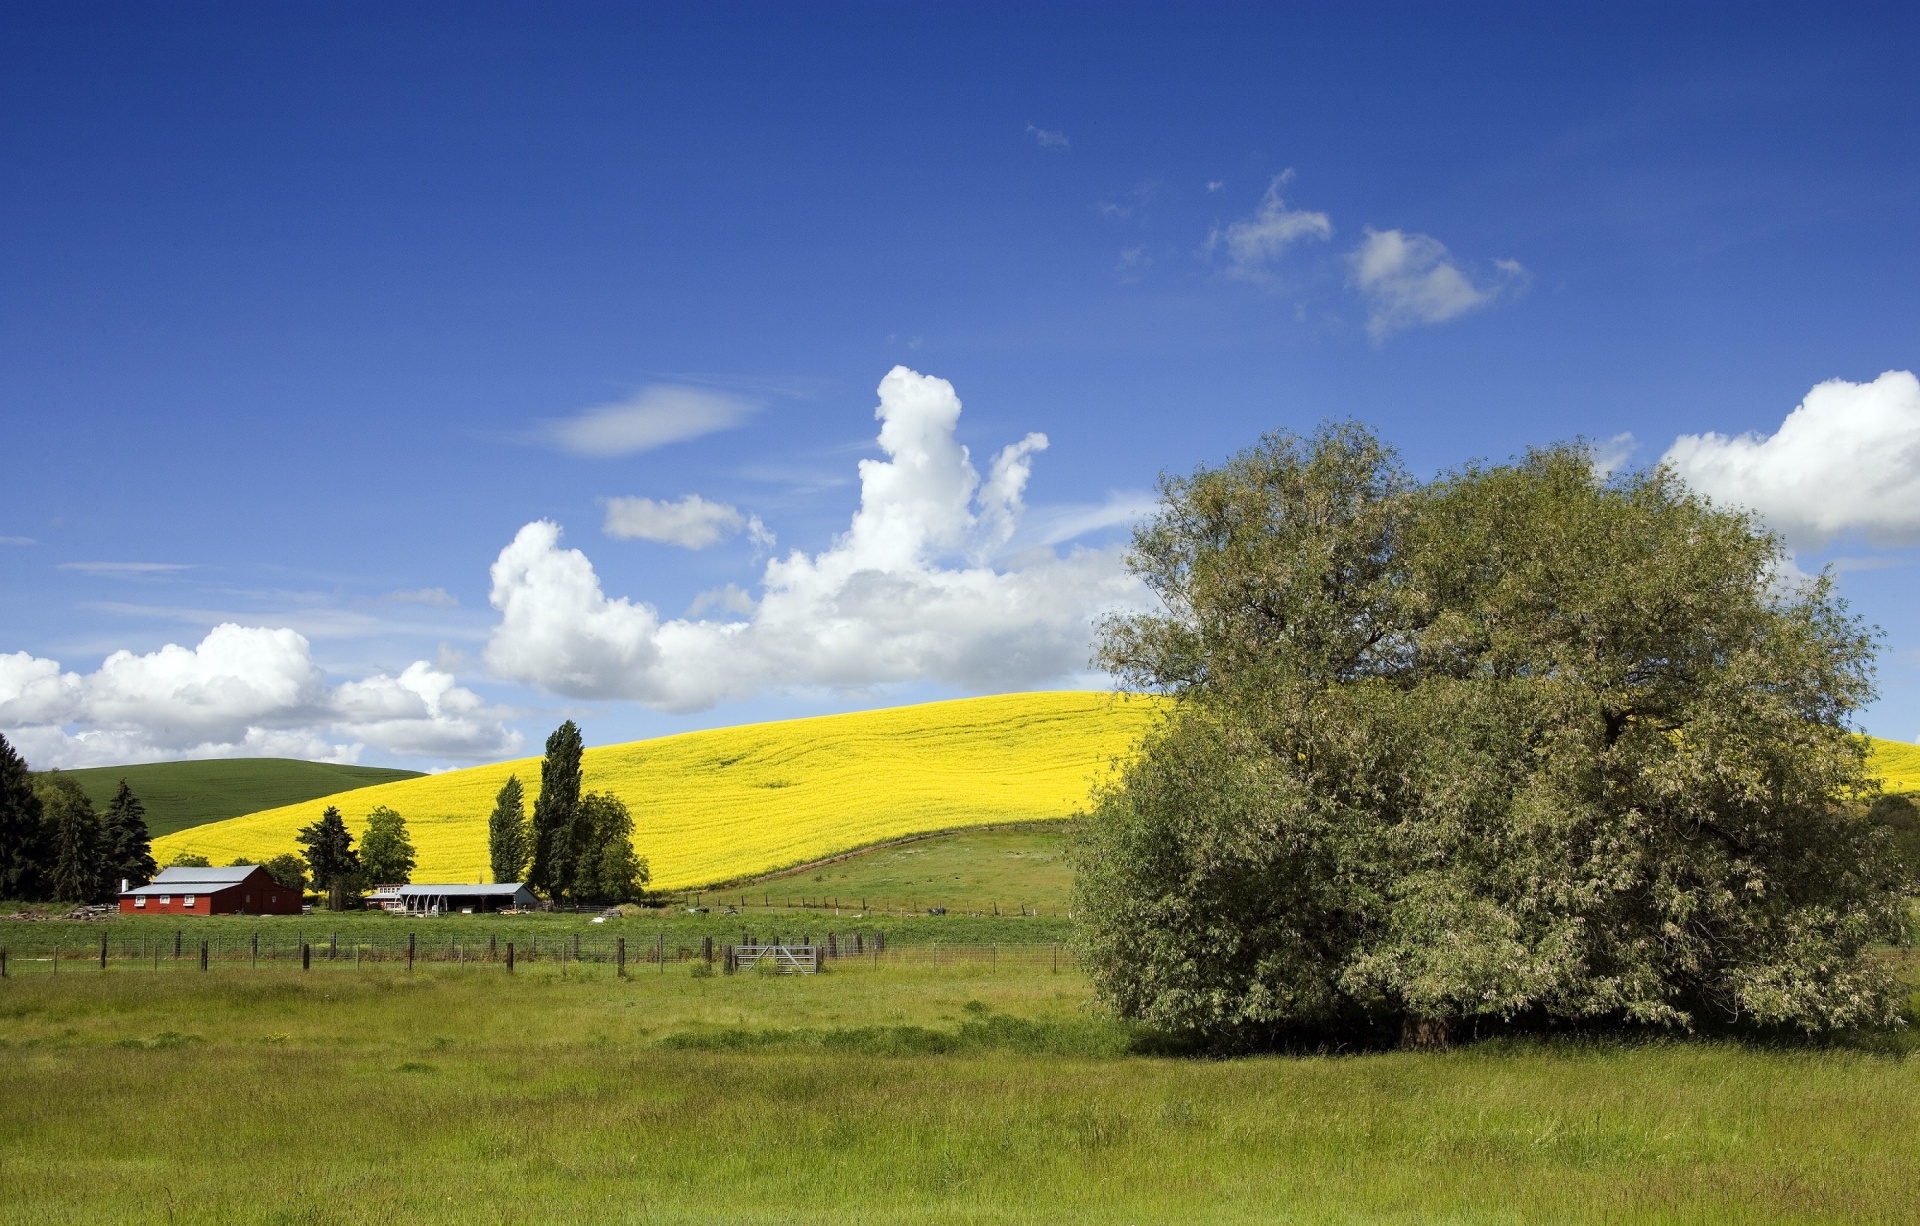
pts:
pixel 907 1094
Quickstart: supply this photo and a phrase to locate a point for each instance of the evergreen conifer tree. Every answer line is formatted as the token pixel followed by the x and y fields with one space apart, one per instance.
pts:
pixel 507 832
pixel 331 857
pixel 129 848
pixel 79 869
pixel 22 844
pixel 556 813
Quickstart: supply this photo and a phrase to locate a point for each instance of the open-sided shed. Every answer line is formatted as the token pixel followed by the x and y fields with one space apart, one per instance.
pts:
pixel 453 899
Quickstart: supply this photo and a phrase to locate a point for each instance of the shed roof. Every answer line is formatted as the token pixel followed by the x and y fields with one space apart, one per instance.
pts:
pixel 503 888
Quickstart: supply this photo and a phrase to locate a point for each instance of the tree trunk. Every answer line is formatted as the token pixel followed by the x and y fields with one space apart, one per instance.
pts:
pixel 1419 1033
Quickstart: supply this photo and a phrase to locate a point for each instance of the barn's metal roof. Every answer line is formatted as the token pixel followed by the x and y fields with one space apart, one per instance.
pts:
pixel 186 880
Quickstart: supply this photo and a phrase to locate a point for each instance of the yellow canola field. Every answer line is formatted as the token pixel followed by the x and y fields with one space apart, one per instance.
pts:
pixel 1896 762
pixel 733 802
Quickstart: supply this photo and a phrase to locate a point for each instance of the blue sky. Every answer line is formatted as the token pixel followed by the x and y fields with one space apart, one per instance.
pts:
pixel 310 314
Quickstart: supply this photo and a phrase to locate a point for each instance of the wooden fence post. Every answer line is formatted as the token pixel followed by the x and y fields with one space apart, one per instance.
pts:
pixel 660 952
pixel 492 949
pixel 256 951
pixel 706 949
pixel 509 957
pixel 409 951
pixel 103 951
pixel 3 961
pixel 306 956
pixel 203 955
pixel 620 957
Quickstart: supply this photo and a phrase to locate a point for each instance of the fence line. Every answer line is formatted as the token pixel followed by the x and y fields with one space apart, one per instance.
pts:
pixel 159 951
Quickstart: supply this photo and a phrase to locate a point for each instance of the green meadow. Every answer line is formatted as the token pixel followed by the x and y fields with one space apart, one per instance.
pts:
pixel 970 1093
pixel 181 795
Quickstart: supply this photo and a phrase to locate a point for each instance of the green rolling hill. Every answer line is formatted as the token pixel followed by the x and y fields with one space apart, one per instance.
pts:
pixel 181 795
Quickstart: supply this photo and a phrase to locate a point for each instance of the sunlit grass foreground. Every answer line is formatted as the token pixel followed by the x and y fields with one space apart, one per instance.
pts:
pixel 723 804
pixel 899 1094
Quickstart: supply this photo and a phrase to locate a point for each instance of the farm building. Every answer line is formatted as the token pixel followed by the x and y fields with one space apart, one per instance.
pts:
pixel 451 899
pixel 244 888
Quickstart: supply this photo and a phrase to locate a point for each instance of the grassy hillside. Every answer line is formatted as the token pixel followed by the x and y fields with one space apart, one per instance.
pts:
pixel 735 802
pixel 181 795
pixel 973 869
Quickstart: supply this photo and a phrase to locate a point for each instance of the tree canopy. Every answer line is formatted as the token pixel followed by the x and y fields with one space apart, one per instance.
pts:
pixel 386 853
pixel 1516 743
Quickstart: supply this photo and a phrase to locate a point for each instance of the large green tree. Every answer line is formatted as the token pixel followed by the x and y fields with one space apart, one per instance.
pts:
pixel 607 867
pixel 556 814
pixel 23 850
pixel 1519 743
pixel 507 832
pixel 289 870
pixel 129 848
pixel 386 853
pixel 331 857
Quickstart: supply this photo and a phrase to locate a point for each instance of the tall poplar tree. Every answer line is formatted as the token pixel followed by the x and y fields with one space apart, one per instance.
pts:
pixel 556 812
pixel 22 843
pixel 507 832
pixel 129 848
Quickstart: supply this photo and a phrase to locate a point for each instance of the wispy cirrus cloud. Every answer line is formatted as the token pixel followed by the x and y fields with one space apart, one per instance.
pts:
pixel 1410 279
pixel 692 522
pixel 17 540
pixel 1252 244
pixel 436 597
pixel 1047 138
pixel 653 417
pixel 124 570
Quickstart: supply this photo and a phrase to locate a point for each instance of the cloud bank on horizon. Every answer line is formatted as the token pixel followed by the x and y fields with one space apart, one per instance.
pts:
pixel 243 691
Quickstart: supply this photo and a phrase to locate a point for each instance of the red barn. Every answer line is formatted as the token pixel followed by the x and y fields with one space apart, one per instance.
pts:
pixel 242 889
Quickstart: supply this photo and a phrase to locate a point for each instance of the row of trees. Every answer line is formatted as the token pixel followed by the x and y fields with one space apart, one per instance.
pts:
pixel 577 846
pixel 1520 744
pixel 54 845
pixel 385 855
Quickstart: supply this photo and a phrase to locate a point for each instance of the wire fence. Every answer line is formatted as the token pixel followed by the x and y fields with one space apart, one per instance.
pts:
pixel 306 949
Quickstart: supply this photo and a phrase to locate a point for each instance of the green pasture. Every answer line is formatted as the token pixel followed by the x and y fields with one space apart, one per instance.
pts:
pixel 180 795
pixel 971 1093
pixel 1009 867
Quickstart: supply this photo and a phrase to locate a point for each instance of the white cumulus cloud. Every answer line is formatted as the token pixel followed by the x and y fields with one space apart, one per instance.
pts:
pixel 653 417
pixel 691 523
pixel 243 691
pixel 907 593
pixel 1254 242
pixel 1845 462
pixel 1410 279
